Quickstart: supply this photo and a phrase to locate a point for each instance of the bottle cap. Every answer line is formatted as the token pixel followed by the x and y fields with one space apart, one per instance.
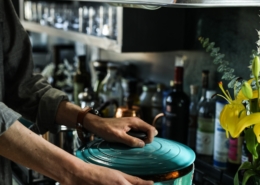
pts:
pixel 210 93
pixel 193 89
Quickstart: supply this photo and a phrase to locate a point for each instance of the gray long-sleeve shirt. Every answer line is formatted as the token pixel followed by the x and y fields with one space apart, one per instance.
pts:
pixel 21 92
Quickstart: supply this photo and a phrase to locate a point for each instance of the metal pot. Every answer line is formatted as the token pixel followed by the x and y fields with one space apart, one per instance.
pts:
pixel 166 162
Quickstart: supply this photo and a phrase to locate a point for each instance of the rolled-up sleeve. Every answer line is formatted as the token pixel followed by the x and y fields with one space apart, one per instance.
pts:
pixel 24 92
pixel 7 117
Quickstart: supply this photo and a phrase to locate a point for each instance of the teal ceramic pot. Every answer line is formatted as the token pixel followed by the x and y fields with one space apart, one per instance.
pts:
pixel 166 162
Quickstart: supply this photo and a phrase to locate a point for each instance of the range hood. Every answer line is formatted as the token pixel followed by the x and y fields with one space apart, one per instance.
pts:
pixel 153 4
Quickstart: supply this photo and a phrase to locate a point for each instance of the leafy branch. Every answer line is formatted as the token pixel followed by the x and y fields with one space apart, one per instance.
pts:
pixel 223 65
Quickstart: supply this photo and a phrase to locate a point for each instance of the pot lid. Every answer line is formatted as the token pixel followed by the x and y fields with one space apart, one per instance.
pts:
pixel 159 157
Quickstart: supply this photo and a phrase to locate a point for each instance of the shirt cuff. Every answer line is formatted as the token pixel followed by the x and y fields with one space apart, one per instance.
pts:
pixel 7 117
pixel 47 111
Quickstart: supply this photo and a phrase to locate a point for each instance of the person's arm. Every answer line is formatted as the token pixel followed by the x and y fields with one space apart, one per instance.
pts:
pixel 110 129
pixel 31 150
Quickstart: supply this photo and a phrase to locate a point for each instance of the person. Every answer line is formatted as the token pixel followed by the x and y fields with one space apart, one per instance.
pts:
pixel 28 95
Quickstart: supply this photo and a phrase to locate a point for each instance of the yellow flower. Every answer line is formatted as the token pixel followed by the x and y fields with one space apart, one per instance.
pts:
pixel 230 116
pixel 247 90
pixel 241 96
pixel 233 116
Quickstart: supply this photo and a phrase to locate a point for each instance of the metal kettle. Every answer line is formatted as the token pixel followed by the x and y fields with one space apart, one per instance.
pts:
pixel 129 110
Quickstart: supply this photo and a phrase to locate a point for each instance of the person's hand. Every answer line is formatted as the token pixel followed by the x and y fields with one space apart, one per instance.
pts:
pixel 90 174
pixel 99 175
pixel 115 129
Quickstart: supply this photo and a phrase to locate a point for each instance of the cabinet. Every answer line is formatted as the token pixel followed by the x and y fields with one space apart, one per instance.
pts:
pixel 137 30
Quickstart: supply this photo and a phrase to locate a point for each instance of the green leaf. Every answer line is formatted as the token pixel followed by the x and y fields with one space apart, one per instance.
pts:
pixel 243 166
pixel 247 175
pixel 205 43
pixel 251 142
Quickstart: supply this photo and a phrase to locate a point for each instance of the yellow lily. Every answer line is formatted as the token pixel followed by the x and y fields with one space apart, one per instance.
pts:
pixel 233 116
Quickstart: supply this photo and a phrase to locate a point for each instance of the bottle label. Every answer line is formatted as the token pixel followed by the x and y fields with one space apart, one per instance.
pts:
pixel 235 150
pixel 220 155
pixel 204 143
pixel 206 124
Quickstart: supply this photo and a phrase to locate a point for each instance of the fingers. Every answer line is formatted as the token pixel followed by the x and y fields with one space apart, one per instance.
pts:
pixel 132 141
pixel 136 180
pixel 148 129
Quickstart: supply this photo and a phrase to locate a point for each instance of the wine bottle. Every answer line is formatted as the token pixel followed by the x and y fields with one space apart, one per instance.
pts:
pixel 82 78
pixel 193 116
pixel 206 127
pixel 204 86
pixel 157 107
pixel 176 122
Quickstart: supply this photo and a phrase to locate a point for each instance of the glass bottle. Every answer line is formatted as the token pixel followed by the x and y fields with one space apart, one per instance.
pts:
pixel 82 78
pixel 175 126
pixel 99 73
pixel 130 92
pixel 234 153
pixel 111 89
pixel 193 116
pixel 206 127
pixel 157 107
pixel 204 86
pixel 146 103
pixel 220 154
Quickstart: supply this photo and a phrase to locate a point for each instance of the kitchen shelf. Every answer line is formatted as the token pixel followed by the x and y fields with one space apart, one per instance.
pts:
pixel 160 33
pixel 154 4
pixel 104 43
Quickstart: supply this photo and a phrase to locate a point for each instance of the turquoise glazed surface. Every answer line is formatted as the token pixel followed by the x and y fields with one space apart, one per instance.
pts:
pixel 159 157
pixel 184 180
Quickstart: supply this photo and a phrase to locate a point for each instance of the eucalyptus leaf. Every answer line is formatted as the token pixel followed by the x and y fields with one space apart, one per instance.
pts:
pixel 210 46
pixel 220 68
pixel 205 43
pixel 233 82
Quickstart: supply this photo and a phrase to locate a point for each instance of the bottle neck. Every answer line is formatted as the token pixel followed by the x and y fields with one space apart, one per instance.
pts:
pixel 178 78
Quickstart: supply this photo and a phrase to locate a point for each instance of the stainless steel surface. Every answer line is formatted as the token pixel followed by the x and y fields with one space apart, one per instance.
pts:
pixel 184 3
pixel 103 43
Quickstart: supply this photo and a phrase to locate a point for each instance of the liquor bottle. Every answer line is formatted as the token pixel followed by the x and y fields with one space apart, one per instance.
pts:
pixel 157 107
pixel 111 89
pixel 193 116
pixel 82 78
pixel 204 86
pixel 176 122
pixel 206 127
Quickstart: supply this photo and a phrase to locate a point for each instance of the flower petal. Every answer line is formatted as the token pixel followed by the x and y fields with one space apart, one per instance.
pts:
pixel 246 121
pixel 230 115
